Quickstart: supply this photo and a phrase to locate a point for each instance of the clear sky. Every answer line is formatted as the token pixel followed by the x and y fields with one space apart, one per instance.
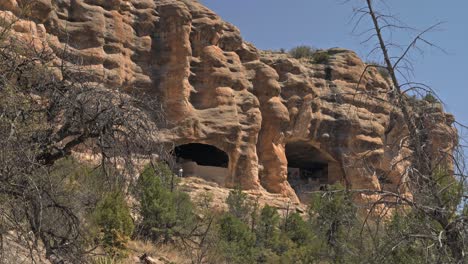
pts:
pixel 275 24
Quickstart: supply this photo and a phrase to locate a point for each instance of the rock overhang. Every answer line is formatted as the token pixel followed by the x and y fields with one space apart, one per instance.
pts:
pixel 220 90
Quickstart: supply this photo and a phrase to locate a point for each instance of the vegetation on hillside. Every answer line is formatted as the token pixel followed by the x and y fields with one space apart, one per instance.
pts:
pixel 381 69
pixel 333 230
pixel 49 108
pixel 314 55
pixel 433 162
pixel 302 51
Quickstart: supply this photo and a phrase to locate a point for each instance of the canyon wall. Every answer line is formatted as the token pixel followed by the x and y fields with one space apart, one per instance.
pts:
pixel 265 110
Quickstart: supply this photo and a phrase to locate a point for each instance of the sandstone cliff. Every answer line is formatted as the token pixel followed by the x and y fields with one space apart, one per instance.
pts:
pixel 265 110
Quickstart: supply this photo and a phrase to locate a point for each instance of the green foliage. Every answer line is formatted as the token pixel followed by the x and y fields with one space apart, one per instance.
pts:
pixel 113 217
pixel 430 98
pixel 321 57
pixel 269 240
pixel 297 229
pixel 238 204
pixel 237 242
pixel 165 211
pixel 381 68
pixel 332 233
pixel 449 188
pixel 302 51
pixel 407 239
pixel 314 55
pixel 337 216
pixel 335 208
pixel 402 251
pixel 88 184
pixel 384 72
pixel 268 227
pixel 234 230
pixel 96 200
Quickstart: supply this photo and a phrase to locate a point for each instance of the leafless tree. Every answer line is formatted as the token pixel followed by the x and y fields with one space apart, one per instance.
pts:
pixel 440 203
pixel 47 111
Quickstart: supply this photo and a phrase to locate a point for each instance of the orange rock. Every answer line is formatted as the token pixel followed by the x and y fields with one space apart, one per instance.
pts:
pixel 265 110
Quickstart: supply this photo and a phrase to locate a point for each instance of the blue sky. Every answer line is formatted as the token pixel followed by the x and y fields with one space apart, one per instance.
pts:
pixel 275 24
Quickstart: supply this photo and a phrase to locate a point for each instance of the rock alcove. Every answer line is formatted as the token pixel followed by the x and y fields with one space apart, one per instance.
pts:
pixel 309 168
pixel 204 161
pixel 217 88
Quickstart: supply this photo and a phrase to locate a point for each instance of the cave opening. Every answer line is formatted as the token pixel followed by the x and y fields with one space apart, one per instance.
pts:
pixel 203 161
pixel 308 169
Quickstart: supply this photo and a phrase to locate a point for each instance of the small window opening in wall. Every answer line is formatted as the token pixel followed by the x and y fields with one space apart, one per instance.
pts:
pixel 203 161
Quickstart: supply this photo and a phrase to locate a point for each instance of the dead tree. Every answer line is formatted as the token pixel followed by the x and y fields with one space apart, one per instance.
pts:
pixel 425 170
pixel 48 110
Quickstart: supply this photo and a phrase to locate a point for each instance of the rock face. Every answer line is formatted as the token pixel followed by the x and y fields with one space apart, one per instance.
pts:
pixel 264 110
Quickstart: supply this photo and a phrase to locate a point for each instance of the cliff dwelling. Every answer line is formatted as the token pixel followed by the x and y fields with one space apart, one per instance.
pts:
pixel 204 161
pixel 245 98
pixel 308 169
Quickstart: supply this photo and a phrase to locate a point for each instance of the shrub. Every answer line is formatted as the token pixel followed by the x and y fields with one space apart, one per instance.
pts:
pixel 321 57
pixel 96 200
pixel 381 68
pixel 411 248
pixel 383 72
pixel 238 204
pixel 165 211
pixel 234 230
pixel 237 242
pixel 430 98
pixel 302 51
pixel 297 229
pixel 315 56
pixel 449 189
pixel 337 217
pixel 113 217
pixel 267 229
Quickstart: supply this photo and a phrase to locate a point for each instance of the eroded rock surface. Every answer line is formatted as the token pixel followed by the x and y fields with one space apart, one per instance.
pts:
pixel 265 110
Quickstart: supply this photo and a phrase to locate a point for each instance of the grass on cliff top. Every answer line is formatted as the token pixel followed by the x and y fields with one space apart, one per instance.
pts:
pixel 314 55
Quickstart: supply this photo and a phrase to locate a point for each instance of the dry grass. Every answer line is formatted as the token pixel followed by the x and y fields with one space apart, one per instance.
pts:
pixel 164 253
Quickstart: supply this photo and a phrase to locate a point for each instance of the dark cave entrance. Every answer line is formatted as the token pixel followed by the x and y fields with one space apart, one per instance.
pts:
pixel 203 161
pixel 308 169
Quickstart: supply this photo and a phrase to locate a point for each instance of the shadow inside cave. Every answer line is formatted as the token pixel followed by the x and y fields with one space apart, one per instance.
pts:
pixel 308 169
pixel 203 161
